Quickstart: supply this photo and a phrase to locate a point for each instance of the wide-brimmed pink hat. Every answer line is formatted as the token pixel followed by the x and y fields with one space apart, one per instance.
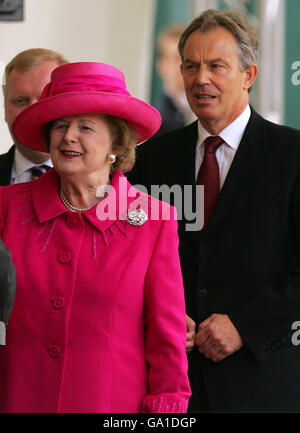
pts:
pixel 85 87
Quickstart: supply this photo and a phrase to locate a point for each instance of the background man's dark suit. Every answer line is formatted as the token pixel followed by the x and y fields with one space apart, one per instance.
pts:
pixel 247 264
pixel 6 163
pixel 172 117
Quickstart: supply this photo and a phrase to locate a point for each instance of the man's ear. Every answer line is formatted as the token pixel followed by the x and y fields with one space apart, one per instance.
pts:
pixel 250 75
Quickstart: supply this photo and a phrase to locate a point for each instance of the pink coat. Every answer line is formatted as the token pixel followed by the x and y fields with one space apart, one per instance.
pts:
pixel 98 323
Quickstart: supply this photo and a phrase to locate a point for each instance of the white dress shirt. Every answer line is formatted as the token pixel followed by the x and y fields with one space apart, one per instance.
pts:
pixel 21 168
pixel 231 135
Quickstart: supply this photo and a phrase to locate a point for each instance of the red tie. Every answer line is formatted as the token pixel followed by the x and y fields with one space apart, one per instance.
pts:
pixel 38 171
pixel 209 175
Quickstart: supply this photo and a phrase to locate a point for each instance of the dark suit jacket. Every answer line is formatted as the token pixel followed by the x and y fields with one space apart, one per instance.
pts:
pixel 246 265
pixel 172 117
pixel 6 163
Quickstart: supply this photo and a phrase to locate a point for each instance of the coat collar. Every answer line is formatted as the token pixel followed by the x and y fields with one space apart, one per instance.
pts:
pixel 48 205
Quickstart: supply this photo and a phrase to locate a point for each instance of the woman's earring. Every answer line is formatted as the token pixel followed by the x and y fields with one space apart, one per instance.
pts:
pixel 111 158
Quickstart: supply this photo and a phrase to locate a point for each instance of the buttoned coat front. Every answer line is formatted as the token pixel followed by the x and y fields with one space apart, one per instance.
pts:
pixel 98 323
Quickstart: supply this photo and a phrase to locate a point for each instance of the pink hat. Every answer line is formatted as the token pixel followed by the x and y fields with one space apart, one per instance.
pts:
pixel 85 87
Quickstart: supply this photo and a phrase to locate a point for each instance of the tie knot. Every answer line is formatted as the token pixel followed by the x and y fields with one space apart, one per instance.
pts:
pixel 39 170
pixel 212 143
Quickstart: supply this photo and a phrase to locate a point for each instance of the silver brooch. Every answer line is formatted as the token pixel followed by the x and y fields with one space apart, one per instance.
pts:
pixel 137 217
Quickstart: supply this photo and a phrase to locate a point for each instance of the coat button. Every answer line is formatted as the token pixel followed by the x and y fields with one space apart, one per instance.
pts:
pixel 58 303
pixel 202 292
pixel 64 257
pixel 71 220
pixel 54 351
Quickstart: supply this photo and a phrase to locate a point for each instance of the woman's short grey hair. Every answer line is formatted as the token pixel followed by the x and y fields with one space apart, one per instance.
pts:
pixel 236 24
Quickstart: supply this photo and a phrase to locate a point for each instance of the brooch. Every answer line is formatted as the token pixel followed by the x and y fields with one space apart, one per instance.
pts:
pixel 137 217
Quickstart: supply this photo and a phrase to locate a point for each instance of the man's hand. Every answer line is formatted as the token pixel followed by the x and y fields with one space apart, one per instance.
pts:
pixel 217 337
pixel 191 330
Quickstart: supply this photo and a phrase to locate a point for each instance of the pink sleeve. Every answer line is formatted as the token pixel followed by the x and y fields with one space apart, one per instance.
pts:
pixel 165 327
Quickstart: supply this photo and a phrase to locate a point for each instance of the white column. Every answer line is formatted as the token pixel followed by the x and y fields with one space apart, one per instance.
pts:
pixel 199 6
pixel 271 63
pixel 130 42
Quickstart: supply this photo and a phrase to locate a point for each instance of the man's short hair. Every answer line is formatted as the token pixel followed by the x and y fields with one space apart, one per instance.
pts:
pixel 236 24
pixel 29 59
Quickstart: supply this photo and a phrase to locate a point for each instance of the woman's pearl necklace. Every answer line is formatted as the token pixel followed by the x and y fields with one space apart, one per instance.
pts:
pixel 69 205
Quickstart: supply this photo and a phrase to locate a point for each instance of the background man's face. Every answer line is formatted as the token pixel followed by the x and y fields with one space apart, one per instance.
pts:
pixel 24 89
pixel 168 65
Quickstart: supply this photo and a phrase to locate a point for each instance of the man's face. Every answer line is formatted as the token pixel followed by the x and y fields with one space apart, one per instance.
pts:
pixel 216 89
pixel 168 65
pixel 22 90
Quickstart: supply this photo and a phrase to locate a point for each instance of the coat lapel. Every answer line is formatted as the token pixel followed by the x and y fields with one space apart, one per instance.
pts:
pixel 181 156
pixel 251 152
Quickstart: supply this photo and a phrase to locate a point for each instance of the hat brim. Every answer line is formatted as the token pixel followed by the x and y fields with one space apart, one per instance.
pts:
pixel 29 124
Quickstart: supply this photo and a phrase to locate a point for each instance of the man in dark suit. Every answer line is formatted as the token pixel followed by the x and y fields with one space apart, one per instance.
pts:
pixel 25 77
pixel 242 270
pixel 173 105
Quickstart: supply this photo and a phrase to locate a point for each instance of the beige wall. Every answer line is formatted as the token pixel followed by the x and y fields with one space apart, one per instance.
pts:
pixel 111 31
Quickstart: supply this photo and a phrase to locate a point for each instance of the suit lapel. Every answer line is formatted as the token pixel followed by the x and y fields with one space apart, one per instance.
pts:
pixel 6 162
pixel 181 156
pixel 251 152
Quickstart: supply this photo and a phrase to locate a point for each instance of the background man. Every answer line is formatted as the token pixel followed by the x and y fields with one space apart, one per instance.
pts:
pixel 25 77
pixel 173 107
pixel 242 270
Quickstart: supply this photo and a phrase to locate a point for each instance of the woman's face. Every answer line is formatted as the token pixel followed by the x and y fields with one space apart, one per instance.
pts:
pixel 80 144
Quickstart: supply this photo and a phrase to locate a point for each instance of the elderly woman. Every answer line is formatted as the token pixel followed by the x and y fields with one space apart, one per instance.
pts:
pixel 98 323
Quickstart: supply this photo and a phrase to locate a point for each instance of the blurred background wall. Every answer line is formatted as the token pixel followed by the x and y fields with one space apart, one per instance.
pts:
pixel 123 33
